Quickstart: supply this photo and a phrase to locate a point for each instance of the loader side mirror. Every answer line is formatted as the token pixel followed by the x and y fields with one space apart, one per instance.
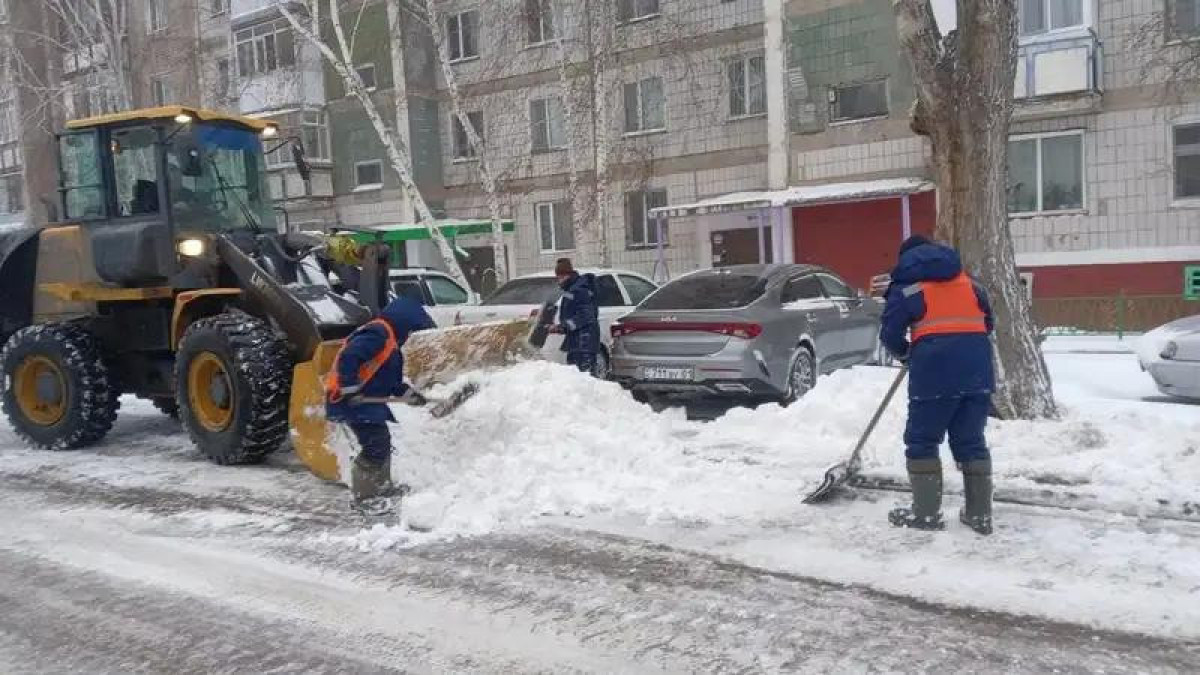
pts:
pixel 301 161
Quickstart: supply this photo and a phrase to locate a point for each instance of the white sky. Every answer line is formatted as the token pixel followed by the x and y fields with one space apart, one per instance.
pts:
pixel 944 11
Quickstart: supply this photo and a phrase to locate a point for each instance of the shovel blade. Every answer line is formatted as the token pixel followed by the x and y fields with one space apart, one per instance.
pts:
pixel 837 476
pixel 454 401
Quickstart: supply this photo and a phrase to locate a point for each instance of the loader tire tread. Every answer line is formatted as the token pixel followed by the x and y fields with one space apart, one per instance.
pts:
pixel 92 391
pixel 262 369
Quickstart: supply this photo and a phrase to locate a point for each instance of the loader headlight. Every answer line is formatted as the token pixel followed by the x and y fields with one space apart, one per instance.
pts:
pixel 270 132
pixel 191 248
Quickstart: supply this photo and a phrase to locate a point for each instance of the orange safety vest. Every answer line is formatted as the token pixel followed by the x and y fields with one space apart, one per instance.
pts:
pixel 333 385
pixel 950 307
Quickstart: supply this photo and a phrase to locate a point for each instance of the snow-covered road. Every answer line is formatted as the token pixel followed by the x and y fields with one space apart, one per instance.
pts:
pixel 627 542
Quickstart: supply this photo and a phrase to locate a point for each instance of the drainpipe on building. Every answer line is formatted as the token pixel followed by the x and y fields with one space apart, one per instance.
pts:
pixel 777 93
pixel 661 253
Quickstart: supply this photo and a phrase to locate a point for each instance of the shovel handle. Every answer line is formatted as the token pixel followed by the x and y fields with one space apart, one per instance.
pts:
pixel 887 398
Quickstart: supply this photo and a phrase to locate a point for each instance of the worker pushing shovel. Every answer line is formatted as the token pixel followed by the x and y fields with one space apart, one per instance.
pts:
pixel 368 375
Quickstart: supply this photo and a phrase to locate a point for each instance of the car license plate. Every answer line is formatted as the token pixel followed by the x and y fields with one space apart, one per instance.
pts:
pixel 667 373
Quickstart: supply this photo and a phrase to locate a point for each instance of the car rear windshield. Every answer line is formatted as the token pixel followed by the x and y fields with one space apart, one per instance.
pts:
pixel 524 292
pixel 708 291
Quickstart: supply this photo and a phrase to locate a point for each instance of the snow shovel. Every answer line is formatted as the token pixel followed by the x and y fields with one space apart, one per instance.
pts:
pixel 441 407
pixel 840 473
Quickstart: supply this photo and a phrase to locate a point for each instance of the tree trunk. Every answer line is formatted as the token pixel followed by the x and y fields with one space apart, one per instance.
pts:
pixel 965 102
pixel 483 159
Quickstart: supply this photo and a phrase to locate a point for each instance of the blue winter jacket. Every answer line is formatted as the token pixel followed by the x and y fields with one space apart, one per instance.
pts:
pixel 406 317
pixel 579 315
pixel 940 366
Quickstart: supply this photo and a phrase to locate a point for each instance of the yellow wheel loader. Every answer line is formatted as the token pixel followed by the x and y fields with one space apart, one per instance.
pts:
pixel 166 278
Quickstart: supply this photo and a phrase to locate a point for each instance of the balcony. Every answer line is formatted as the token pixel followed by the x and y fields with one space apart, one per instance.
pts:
pixel 1058 74
pixel 245 11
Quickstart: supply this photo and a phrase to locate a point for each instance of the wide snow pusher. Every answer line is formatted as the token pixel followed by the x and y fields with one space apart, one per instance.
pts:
pixel 166 277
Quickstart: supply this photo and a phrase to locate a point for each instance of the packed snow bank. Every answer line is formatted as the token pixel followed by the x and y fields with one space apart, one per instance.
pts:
pixel 542 440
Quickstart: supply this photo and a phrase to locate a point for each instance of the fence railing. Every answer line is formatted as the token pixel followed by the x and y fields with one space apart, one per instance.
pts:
pixel 1113 314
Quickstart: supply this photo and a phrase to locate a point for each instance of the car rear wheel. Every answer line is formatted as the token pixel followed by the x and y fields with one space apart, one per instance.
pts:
pixel 802 377
pixel 602 367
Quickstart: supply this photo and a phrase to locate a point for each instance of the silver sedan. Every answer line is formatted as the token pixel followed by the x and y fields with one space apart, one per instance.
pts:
pixel 1171 354
pixel 747 332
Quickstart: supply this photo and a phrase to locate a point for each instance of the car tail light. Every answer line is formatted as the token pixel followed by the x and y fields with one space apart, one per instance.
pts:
pixel 744 331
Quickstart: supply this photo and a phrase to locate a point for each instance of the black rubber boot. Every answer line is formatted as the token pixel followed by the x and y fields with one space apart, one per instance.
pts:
pixel 370 480
pixel 977 488
pixel 926 512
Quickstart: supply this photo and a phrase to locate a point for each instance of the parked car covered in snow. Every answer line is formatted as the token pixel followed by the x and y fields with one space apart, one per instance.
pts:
pixel 441 295
pixel 1171 354
pixel 749 332
pixel 618 292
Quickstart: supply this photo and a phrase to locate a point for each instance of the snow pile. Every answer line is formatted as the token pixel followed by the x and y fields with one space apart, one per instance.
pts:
pixel 539 440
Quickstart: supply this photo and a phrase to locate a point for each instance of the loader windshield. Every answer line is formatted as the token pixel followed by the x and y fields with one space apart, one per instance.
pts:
pixel 217 180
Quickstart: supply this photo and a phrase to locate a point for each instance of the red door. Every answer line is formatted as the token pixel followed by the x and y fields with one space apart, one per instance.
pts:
pixel 859 240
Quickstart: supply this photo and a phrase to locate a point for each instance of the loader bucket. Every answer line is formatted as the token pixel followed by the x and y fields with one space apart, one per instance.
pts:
pixel 430 357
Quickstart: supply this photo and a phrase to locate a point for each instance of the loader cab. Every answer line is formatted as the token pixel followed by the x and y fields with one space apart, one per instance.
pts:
pixel 147 186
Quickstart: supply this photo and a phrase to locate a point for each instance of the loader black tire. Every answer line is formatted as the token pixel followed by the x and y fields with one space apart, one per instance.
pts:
pixel 246 417
pixel 58 393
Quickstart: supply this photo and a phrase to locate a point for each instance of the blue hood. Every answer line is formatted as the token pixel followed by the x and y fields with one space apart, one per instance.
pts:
pixel 927 262
pixel 406 317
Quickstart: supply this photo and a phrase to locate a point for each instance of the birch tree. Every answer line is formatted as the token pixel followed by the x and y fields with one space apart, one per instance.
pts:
pixel 338 54
pixel 487 177
pixel 964 105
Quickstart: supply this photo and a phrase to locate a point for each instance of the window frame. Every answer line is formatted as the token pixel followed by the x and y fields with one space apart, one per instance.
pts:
pixel 553 224
pixel 64 190
pixel 1176 199
pixel 647 221
pixel 1085 21
pixel 743 62
pixel 8 180
pixel 160 87
pixel 255 37
pixel 634 17
pixel 458 42
pixel 546 124
pixel 428 281
pixel 1083 189
pixel 465 153
pixel 546 24
pixel 1171 35
pixel 374 85
pixel 783 291
pixel 218 8
pixel 624 276
pixel 641 107
pixel 367 187
pixel 157 16
pixel 835 97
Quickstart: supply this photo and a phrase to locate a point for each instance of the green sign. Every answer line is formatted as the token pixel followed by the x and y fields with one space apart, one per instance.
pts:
pixel 1191 282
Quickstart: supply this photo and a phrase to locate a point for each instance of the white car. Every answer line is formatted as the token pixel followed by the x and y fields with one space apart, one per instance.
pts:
pixel 441 295
pixel 1171 354
pixel 618 291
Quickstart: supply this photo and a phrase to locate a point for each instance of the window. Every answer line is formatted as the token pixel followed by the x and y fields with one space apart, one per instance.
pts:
pixel 368 175
pixel 3 11
pixel 9 123
pixel 556 226
pixel 1045 173
pixel 608 293
pixel 802 288
pixel 835 288
pixel 547 127
pixel 461 30
pixel 160 90
pixel 1039 16
pixel 640 229
pixel 366 73
pixel 721 289
pixel 1187 161
pixel 411 289
pixel 219 7
pixel 539 20
pixel 644 105
pixel 462 144
pixel 638 289
pixel 135 171
pixel 12 197
pixel 309 126
pixel 79 173
pixel 633 10
pixel 861 101
pixel 747 86
pixel 446 292
pixel 265 48
pixel 156 18
pixel 1183 19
